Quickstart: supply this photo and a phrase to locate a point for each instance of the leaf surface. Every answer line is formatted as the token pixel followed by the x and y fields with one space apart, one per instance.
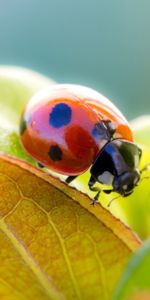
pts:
pixel 54 244
pixel 135 282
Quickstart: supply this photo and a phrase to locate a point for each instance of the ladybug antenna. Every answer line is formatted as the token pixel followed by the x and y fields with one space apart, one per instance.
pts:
pixel 110 202
pixel 145 168
pixel 146 177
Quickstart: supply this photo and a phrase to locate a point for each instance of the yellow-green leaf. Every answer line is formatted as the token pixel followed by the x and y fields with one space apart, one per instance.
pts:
pixel 54 244
pixel 135 281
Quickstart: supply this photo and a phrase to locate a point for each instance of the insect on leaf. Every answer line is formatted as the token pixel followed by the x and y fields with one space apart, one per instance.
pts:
pixel 54 244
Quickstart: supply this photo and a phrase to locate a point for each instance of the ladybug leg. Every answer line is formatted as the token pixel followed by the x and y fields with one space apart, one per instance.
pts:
pixel 146 168
pixel 108 191
pixel 95 199
pixel 69 179
pixel 94 189
pixel 41 166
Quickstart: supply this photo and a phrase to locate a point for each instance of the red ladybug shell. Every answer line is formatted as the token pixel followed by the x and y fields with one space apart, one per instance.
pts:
pixel 59 129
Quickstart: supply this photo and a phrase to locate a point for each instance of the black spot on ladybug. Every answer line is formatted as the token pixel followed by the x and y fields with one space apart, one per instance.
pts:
pixel 23 126
pixel 60 115
pixel 55 153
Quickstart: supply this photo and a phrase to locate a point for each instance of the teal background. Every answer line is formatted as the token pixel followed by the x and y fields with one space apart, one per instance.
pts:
pixel 103 44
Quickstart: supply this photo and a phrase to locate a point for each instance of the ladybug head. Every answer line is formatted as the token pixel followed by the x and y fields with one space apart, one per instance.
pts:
pixel 117 164
pixel 125 183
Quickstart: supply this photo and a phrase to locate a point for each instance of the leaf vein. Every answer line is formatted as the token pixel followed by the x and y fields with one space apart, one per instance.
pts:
pixel 47 285
pixel 62 244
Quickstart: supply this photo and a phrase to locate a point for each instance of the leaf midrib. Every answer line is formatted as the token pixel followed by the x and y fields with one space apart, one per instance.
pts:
pixel 47 285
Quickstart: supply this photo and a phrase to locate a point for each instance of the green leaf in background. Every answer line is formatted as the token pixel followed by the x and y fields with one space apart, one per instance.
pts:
pixel 135 282
pixel 17 85
pixel 141 127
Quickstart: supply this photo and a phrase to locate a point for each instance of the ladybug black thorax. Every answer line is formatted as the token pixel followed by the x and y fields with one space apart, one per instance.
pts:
pixel 117 164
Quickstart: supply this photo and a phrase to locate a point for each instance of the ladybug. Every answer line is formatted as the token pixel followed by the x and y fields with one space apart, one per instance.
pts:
pixel 71 128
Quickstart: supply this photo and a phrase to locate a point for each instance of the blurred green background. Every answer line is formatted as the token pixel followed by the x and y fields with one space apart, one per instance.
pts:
pixel 101 43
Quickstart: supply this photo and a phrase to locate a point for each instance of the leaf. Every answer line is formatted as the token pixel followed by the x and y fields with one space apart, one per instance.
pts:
pixel 54 244
pixel 135 282
pixel 17 85
pixel 141 128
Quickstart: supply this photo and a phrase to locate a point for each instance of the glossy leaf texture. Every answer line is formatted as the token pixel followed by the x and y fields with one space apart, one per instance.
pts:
pixel 54 244
pixel 135 282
